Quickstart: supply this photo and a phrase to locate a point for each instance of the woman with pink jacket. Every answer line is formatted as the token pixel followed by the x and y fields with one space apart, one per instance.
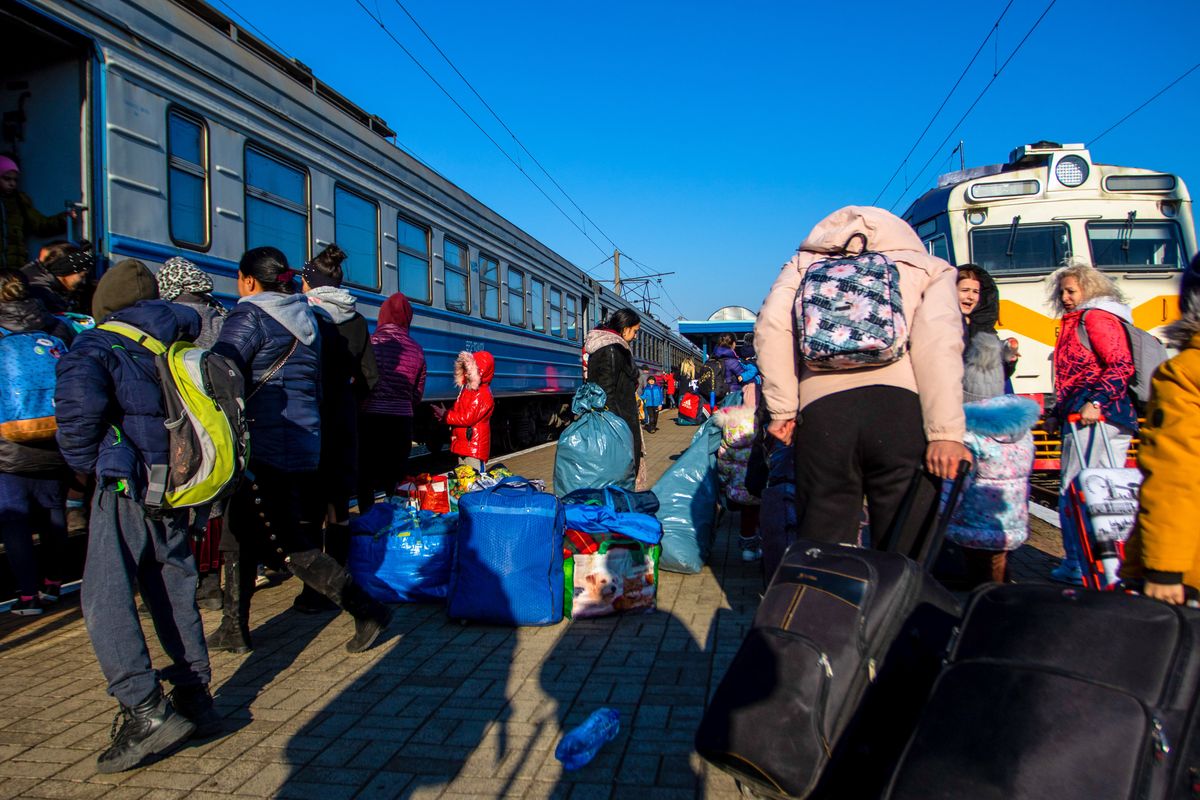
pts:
pixel 866 431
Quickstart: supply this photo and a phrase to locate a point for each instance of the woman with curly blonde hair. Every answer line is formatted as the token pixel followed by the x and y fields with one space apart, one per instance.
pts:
pixel 1093 365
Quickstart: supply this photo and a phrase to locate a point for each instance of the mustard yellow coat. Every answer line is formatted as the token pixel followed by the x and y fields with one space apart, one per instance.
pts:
pixel 1166 541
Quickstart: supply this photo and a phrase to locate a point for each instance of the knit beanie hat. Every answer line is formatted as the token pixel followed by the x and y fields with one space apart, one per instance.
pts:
pixel 72 263
pixel 127 283
pixel 180 276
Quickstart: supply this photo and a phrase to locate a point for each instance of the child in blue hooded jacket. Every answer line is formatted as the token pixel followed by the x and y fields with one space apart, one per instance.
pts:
pixel 653 397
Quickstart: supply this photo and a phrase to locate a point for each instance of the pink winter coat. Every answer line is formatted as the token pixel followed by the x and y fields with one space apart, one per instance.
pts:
pixel 932 367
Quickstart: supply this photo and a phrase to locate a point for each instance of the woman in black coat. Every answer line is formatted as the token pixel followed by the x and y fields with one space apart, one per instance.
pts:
pixel 610 365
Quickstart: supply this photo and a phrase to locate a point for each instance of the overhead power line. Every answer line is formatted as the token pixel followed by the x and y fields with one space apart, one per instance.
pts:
pixel 991 32
pixel 378 21
pixel 1156 95
pixel 967 113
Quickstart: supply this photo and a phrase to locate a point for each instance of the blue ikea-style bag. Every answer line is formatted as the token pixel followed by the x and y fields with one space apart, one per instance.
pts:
pixel 644 528
pixel 398 555
pixel 688 494
pixel 28 363
pixel 508 565
pixel 596 450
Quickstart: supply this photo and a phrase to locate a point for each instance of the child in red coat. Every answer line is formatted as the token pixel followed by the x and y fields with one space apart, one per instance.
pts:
pixel 471 418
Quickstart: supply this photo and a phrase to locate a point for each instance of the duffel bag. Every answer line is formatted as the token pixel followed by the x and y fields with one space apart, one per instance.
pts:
pixel 508 565
pixel 398 555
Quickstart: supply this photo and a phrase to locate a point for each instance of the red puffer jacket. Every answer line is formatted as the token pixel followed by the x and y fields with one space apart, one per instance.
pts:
pixel 470 419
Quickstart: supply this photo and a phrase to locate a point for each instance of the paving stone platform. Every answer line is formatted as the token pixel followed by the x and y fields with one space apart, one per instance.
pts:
pixel 437 710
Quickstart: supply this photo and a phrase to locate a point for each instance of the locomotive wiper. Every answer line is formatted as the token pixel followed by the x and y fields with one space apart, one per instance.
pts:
pixel 1127 231
pixel 1012 235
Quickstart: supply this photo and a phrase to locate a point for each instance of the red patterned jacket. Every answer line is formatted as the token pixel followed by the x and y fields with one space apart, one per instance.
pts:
pixel 1101 373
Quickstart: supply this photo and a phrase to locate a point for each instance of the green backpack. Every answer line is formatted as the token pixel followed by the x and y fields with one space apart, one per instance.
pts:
pixel 209 441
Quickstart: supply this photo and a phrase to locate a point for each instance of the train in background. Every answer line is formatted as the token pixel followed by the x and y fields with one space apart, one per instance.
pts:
pixel 1049 203
pixel 179 133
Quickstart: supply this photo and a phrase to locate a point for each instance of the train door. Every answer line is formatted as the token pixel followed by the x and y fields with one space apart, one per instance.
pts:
pixel 46 119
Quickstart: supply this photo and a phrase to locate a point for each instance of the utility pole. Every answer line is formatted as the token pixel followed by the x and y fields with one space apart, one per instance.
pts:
pixel 617 272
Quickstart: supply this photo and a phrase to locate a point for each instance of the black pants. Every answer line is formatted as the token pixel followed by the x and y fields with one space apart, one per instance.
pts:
pixel 651 417
pixel 867 442
pixel 384 443
pixel 272 515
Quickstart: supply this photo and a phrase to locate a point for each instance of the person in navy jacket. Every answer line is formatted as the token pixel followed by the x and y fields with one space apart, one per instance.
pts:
pixel 110 412
pixel 277 511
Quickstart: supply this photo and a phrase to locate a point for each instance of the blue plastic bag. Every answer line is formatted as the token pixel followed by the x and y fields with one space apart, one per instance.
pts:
pixel 595 450
pixel 398 555
pixel 688 494
pixel 602 519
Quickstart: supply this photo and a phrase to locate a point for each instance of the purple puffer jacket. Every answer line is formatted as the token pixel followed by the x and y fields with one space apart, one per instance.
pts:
pixel 401 363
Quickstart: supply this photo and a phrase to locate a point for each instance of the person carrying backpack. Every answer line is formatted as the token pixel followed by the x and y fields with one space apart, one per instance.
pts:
pixel 109 406
pixel 877 393
pixel 1091 380
pixel 33 474
pixel 271 335
pixel 730 373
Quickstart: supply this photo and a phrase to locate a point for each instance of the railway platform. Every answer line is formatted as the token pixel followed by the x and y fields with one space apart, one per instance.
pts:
pixel 438 709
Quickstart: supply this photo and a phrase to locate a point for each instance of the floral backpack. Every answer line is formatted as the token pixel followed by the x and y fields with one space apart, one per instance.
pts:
pixel 849 312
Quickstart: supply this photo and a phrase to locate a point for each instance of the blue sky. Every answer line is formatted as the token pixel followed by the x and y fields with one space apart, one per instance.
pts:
pixel 708 141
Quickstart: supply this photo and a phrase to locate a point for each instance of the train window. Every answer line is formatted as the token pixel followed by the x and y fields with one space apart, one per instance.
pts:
pixel 537 304
pixel 516 297
pixel 937 247
pixel 412 259
pixel 489 287
pixel 187 180
pixel 1020 248
pixel 276 205
pixel 572 319
pixel 356 231
pixel 458 285
pixel 1135 245
pixel 555 312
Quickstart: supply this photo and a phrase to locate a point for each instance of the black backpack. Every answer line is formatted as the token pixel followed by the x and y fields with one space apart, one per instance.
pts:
pixel 713 374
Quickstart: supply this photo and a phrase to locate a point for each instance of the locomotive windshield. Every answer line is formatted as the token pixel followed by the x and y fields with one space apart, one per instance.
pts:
pixel 1020 248
pixel 1141 245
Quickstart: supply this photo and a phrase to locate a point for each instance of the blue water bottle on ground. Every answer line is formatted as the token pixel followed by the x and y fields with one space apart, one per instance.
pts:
pixel 581 744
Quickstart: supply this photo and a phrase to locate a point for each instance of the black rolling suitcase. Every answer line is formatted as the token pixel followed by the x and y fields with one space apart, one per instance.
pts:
pixel 826 686
pixel 1061 693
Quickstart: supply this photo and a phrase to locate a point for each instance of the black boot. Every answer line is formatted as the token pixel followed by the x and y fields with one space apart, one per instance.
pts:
pixel 151 728
pixel 233 634
pixel 208 591
pixel 332 580
pixel 195 703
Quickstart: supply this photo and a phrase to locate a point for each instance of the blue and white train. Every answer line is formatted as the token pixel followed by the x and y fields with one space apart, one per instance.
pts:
pixel 180 133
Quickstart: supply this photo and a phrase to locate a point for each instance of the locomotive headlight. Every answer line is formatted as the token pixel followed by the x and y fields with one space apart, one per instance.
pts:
pixel 977 217
pixel 1071 171
pixel 1168 208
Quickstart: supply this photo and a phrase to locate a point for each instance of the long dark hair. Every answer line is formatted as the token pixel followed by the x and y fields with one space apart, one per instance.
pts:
pixel 268 266
pixel 621 319
pixel 326 267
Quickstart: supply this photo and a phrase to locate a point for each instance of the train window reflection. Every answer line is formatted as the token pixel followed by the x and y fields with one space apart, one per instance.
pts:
pixel 571 312
pixel 1027 248
pixel 489 287
pixel 1142 245
pixel 555 312
pixel 516 297
pixel 458 287
pixel 537 304
pixel 187 180
pixel 412 259
pixel 276 206
pixel 356 231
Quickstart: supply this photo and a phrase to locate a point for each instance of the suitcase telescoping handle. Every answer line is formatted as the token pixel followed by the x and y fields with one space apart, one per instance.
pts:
pixel 929 543
pixel 1073 429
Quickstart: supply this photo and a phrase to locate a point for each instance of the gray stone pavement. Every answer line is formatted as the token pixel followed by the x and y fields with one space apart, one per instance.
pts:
pixel 439 709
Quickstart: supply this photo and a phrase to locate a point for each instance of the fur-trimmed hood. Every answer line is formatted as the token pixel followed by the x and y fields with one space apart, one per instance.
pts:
pixel 1180 333
pixel 1007 417
pixel 602 337
pixel 472 370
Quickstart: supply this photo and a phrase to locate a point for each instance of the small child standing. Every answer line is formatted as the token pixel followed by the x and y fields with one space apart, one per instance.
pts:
pixel 471 418
pixel 652 398
pixel 740 431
